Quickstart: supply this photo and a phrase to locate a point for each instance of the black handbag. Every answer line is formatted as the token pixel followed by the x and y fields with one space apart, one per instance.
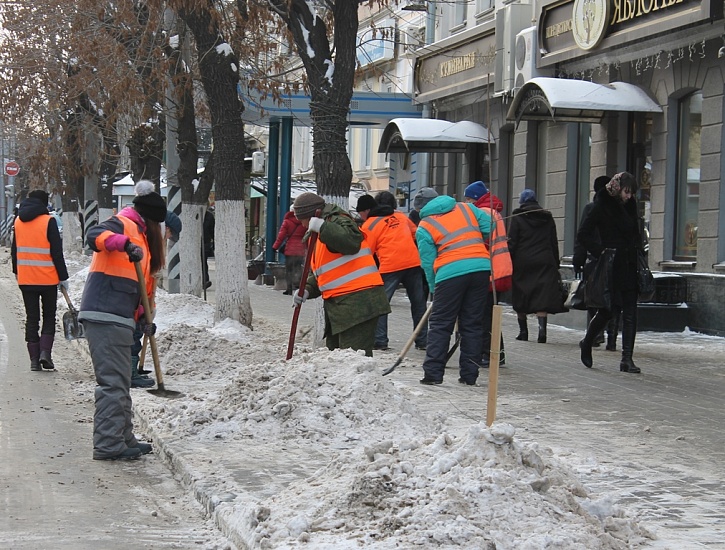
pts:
pixel 599 282
pixel 645 279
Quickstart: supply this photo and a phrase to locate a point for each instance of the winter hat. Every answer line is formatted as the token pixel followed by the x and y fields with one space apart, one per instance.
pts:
pixel 623 180
pixel 148 202
pixel 386 198
pixel 476 190
pixel 41 195
pixel 600 182
pixel 527 195
pixel 366 202
pixel 173 222
pixel 423 197
pixel 307 204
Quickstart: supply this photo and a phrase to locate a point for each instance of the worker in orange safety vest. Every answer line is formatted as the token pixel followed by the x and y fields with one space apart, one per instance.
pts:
pixel 39 267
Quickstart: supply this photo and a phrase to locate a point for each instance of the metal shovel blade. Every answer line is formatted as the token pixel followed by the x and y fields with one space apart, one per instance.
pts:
pixel 163 392
pixel 71 327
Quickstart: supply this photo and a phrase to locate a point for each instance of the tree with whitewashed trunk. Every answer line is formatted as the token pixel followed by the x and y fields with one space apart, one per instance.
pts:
pixel 219 69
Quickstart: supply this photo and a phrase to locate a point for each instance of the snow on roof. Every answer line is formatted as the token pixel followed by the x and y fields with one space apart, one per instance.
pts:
pixel 429 134
pixel 581 94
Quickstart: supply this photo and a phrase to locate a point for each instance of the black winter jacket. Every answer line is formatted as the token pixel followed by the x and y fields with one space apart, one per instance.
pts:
pixel 612 224
pixel 28 210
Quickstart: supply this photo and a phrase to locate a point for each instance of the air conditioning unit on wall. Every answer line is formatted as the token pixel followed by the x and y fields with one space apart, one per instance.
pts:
pixel 510 21
pixel 525 57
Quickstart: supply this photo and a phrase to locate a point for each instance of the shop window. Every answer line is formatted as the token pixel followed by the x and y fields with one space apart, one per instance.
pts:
pixel 687 185
pixel 639 163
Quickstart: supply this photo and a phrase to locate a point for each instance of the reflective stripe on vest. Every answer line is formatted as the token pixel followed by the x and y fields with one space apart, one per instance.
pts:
pixel 35 264
pixel 115 263
pixel 339 274
pixel 456 235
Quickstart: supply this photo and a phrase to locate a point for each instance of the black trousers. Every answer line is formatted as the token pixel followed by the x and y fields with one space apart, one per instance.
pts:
pixel 460 298
pixel 33 295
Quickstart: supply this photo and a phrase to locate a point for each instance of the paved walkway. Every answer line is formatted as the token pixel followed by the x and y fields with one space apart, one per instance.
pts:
pixel 659 432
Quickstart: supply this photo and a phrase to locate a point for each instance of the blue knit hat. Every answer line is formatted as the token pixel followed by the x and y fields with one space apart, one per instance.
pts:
pixel 173 222
pixel 476 190
pixel 527 195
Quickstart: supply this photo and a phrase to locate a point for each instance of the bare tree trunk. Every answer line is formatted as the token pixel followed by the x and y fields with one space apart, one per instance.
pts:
pixel 231 269
pixel 218 66
pixel 190 252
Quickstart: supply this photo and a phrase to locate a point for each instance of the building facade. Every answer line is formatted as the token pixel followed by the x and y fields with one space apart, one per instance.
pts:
pixel 574 89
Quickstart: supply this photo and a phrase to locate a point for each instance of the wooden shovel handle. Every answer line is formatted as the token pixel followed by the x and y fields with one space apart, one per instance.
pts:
pixel 149 320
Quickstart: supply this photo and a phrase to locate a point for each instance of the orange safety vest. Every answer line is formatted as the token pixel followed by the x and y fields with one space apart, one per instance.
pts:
pixel 35 264
pixel 115 263
pixel 339 274
pixel 501 264
pixel 392 240
pixel 456 235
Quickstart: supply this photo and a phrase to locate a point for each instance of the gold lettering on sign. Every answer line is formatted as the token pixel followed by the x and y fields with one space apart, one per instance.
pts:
pixel 626 10
pixel 458 64
pixel 558 29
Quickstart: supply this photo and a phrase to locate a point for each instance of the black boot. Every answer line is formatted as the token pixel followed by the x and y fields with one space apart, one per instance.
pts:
pixel 629 331
pixel 596 325
pixel 523 330
pixel 46 346
pixel 612 331
pixel 542 330
pixel 34 352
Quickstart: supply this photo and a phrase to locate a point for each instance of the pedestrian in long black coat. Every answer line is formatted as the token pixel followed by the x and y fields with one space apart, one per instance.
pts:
pixel 613 219
pixel 534 249
pixel 582 258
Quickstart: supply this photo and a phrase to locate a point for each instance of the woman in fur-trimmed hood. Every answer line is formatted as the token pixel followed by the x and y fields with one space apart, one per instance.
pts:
pixel 613 223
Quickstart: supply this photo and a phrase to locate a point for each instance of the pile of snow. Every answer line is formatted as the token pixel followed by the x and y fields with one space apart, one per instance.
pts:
pixel 393 476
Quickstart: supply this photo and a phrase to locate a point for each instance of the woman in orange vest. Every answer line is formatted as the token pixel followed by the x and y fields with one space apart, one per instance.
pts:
pixel 456 262
pixel 39 267
pixel 344 273
pixel 110 308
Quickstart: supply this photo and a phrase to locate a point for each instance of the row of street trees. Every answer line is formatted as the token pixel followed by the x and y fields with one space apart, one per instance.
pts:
pixel 82 79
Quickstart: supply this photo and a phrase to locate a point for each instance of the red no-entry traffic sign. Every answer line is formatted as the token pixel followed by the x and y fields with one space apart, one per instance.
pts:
pixel 12 168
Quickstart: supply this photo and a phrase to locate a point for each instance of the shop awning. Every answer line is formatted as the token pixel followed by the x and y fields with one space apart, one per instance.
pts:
pixel 565 100
pixel 427 135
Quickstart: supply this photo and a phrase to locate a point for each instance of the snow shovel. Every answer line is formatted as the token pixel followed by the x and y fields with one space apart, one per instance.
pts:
pixel 301 292
pixel 71 327
pixel 421 324
pixel 161 391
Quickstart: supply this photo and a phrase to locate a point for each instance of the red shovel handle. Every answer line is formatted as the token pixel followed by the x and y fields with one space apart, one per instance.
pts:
pixel 301 292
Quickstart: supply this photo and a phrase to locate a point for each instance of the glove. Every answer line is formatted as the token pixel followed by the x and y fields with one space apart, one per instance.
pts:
pixel 297 299
pixel 116 242
pixel 148 329
pixel 134 251
pixel 316 224
pixel 65 285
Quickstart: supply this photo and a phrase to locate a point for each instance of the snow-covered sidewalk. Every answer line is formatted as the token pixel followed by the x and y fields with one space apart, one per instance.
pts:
pixel 323 452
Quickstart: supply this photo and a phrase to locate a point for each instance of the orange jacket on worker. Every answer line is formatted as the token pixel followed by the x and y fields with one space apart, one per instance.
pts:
pixel 456 235
pixel 112 278
pixel 392 239
pixel 339 274
pixel 34 262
